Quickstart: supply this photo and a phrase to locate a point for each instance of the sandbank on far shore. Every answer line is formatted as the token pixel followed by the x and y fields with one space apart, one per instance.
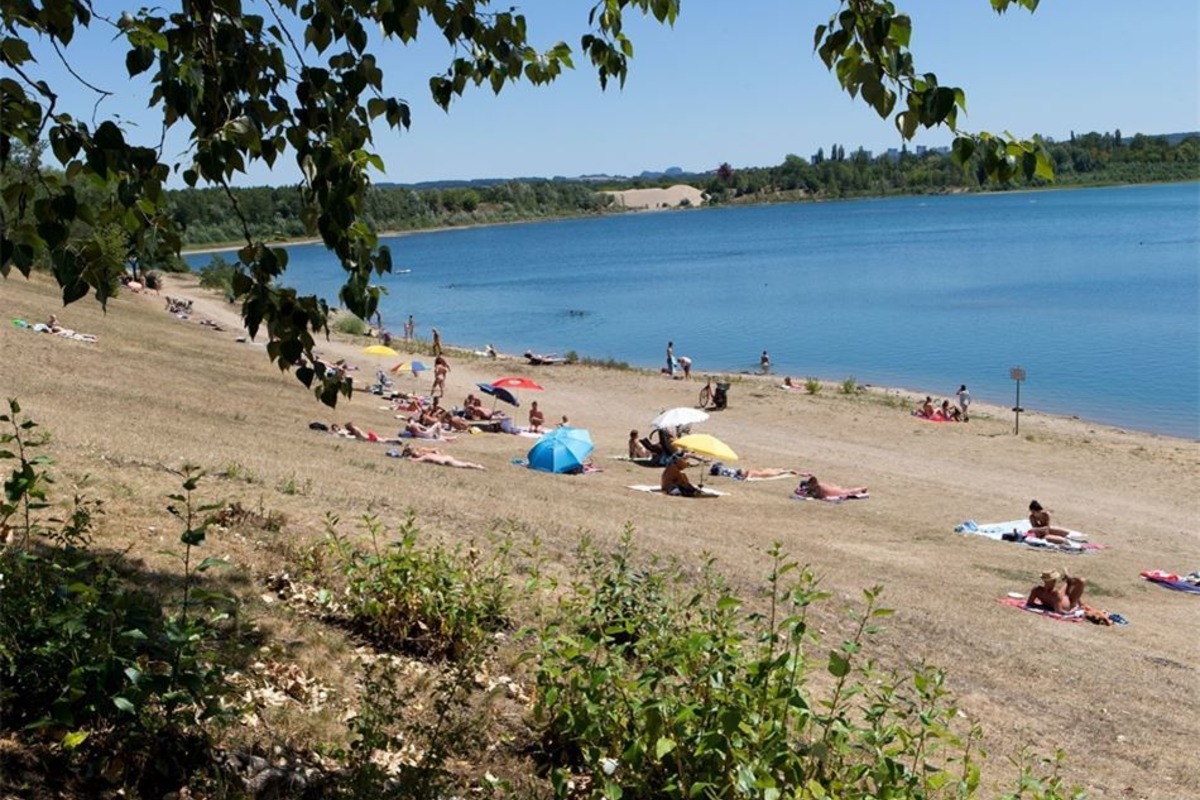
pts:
pixel 1120 701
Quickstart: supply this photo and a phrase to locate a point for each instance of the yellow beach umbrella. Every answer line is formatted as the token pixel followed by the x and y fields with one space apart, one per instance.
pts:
pixel 706 445
pixel 380 350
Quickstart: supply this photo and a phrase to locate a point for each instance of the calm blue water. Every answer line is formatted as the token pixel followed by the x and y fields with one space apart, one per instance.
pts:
pixel 1095 292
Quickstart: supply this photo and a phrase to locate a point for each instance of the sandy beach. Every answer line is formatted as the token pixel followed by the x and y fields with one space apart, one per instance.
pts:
pixel 156 392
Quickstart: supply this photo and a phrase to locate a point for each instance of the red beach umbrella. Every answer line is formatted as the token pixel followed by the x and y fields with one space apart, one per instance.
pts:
pixel 516 382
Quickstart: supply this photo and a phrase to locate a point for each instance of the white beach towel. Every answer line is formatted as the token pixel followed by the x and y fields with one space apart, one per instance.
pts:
pixel 1076 540
pixel 700 490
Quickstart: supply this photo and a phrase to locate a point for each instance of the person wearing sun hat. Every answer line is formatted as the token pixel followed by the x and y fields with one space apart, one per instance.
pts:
pixel 1053 597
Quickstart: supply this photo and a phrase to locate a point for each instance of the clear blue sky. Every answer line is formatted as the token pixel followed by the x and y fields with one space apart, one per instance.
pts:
pixel 738 82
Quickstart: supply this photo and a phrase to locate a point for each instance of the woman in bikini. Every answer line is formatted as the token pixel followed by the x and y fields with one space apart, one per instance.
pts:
pixel 1039 525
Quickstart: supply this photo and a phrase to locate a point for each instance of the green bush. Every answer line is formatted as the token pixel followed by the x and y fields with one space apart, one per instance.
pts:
pixel 350 324
pixel 651 686
pixel 812 385
pixel 92 660
pixel 849 385
pixel 426 601
pixel 218 275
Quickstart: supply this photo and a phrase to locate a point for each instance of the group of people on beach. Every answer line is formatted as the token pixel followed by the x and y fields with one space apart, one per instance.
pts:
pixel 946 412
pixel 425 418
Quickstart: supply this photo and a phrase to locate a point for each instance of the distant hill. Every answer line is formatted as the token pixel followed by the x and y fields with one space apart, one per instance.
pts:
pixel 1175 138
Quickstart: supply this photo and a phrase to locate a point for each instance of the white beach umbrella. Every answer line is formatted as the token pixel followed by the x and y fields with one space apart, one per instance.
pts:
pixel 678 417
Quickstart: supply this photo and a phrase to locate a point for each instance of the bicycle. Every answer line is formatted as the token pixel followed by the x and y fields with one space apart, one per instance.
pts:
pixel 706 394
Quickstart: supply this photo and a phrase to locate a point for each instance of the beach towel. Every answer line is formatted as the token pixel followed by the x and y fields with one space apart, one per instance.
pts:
pixel 1189 583
pixel 1018 530
pixel 701 491
pixel 798 495
pixel 1019 602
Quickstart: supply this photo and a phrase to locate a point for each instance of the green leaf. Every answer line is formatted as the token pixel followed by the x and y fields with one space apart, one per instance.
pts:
pixel 124 705
pixel 663 746
pixel 74 739
pixel 839 665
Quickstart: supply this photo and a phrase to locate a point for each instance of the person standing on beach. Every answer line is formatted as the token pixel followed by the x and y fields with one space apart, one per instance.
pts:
pixel 409 328
pixel 764 363
pixel 964 401
pixel 671 359
pixel 437 341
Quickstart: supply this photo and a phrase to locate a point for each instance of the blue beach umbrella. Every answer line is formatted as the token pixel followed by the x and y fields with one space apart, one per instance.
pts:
pixel 500 393
pixel 561 450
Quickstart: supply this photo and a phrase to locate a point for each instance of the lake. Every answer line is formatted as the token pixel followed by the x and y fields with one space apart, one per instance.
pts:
pixel 1094 292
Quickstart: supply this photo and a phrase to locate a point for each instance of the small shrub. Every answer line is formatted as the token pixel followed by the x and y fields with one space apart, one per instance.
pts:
pixel 812 385
pixel 350 324
pixel 849 385
pixel 431 602
pixel 218 275
pixel 292 486
pixel 236 471
pixel 603 363
pixel 572 357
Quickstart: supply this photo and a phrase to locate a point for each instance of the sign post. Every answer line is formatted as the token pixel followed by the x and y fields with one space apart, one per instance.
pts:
pixel 1018 375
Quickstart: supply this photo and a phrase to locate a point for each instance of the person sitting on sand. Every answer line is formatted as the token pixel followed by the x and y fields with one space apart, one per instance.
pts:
pixel 1052 597
pixel 949 413
pixel 536 418
pixel 675 480
pixel 477 411
pixel 1039 525
pixel 926 410
pixel 814 488
pixel 449 421
pixel 637 450
pixel 431 455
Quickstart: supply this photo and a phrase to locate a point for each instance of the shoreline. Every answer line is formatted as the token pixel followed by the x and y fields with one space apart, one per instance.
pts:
pixel 830 387
pixel 769 382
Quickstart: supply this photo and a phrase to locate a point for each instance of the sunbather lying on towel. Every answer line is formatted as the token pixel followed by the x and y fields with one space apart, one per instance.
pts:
pixel 1053 597
pixel 418 431
pixel 353 431
pixel 742 474
pixel 431 455
pixel 811 487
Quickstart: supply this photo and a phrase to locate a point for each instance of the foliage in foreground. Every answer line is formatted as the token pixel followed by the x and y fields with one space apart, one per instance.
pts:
pixel 126 684
pixel 650 682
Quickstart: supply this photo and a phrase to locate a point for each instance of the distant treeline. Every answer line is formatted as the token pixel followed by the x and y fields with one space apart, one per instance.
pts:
pixel 276 213
pixel 1090 159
